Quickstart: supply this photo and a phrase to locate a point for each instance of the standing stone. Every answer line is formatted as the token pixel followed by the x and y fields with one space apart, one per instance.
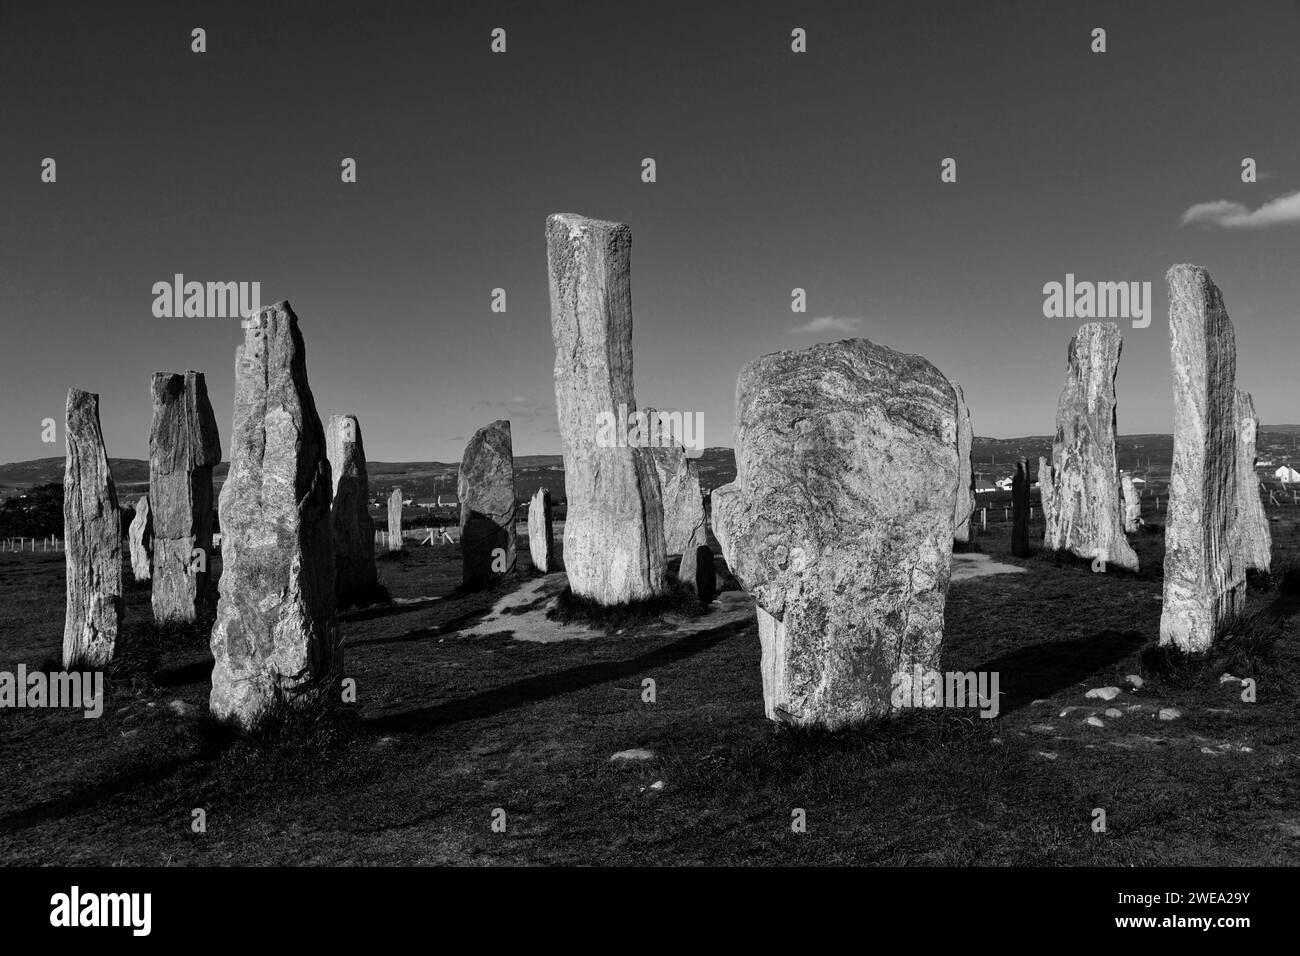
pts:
pixel 1205 574
pixel 1256 539
pixel 395 520
pixel 613 531
pixel 1130 502
pixel 840 523
pixel 541 536
pixel 183 448
pixel 683 502
pixel 1085 473
pixel 140 537
pixel 965 471
pixel 1045 498
pixel 276 634
pixel 1020 510
pixel 92 535
pixel 486 489
pixel 355 577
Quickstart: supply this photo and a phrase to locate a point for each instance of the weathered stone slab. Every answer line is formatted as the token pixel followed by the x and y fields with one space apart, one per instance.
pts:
pixel 1045 498
pixel 140 538
pixel 183 449
pixel 355 577
pixel 1130 503
pixel 613 531
pixel 683 502
pixel 1020 510
pixel 965 472
pixel 1084 475
pixel 276 635
pixel 541 534
pixel 1256 539
pixel 1205 574
pixel 840 523
pixel 395 520
pixel 92 536
pixel 486 489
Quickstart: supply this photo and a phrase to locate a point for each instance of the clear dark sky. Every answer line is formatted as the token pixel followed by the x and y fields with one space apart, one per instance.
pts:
pixel 775 170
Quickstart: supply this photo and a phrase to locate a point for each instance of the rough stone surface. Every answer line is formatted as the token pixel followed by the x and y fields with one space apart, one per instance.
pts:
pixel 1020 510
pixel 1256 539
pixel 1045 493
pixel 541 534
pixel 395 520
pixel 685 531
pixel 355 577
pixel 486 488
pixel 1205 574
pixel 92 536
pixel 183 448
pixel 1130 503
pixel 965 472
pixel 140 538
pixel 1085 517
pixel 276 633
pixel 840 523
pixel 613 533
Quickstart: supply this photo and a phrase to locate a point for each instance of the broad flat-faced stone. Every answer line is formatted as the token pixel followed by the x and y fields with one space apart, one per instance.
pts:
pixel 92 536
pixel 679 487
pixel 541 535
pixel 395 520
pixel 355 576
pixel 840 523
pixel 613 531
pixel 1205 573
pixel 1130 503
pixel 1256 539
pixel 276 635
pixel 486 489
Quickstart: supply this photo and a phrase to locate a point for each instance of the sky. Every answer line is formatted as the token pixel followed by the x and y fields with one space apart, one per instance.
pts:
pixel 775 170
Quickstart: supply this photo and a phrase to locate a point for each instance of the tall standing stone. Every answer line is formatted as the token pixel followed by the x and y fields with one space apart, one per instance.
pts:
pixel 1020 510
pixel 183 448
pixel 276 634
pixel 355 576
pixel 613 530
pixel 1256 539
pixel 140 538
pixel 840 523
pixel 1205 574
pixel 395 520
pixel 92 535
pixel 1130 503
pixel 965 471
pixel 541 534
pixel 1085 472
pixel 1045 498
pixel 679 486
pixel 486 489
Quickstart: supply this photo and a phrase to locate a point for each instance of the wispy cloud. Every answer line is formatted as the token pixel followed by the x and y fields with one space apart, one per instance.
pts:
pixel 519 408
pixel 1284 210
pixel 827 323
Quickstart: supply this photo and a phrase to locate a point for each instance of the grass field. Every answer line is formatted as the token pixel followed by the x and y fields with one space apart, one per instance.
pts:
pixel 451 725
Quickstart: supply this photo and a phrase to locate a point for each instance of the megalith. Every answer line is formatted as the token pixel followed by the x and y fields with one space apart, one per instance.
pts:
pixel 183 449
pixel 1130 503
pixel 1205 574
pixel 683 502
pixel 1020 510
pixel 355 577
pixel 395 520
pixel 92 536
pixel 613 531
pixel 1256 539
pixel 541 534
pixel 486 489
pixel 1084 474
pixel 276 634
pixel 140 538
pixel 840 523
pixel 965 471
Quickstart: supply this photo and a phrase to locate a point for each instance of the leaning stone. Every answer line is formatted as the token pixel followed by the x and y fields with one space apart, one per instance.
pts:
pixel 92 536
pixel 395 520
pixel 1131 503
pixel 1256 539
pixel 355 575
pixel 276 636
pixel 613 531
pixel 541 535
pixel 183 449
pixel 140 537
pixel 1084 476
pixel 486 489
pixel 965 507
pixel 840 523
pixel 1205 574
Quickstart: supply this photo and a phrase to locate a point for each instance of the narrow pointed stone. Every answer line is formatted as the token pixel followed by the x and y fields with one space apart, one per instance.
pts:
pixel 965 472
pixel 683 502
pixel 1130 503
pixel 1020 510
pixel 395 520
pixel 140 538
pixel 355 576
pixel 1256 539
pixel 541 533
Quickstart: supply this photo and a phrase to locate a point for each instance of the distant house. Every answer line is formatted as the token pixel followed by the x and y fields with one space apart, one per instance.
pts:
pixel 1004 484
pixel 1287 475
pixel 1139 481
pixel 981 489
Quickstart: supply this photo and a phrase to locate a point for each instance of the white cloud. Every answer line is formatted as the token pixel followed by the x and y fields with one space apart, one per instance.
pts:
pixel 828 323
pixel 1281 211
